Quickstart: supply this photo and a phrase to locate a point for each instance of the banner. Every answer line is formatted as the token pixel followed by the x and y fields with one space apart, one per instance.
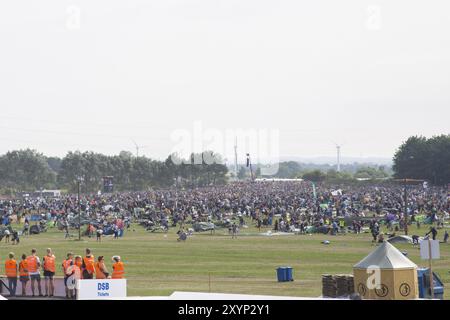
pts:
pixel 97 289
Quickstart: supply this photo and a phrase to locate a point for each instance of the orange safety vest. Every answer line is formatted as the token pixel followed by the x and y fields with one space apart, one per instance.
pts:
pixel 118 270
pixel 32 264
pixel 66 264
pixel 77 272
pixel 98 272
pixel 49 263
pixel 23 268
pixel 89 264
pixel 78 266
pixel 11 268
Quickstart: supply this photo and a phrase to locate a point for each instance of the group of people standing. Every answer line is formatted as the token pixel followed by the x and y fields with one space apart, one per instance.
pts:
pixel 73 268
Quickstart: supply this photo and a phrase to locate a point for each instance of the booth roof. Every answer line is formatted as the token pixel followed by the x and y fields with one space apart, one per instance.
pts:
pixel 386 256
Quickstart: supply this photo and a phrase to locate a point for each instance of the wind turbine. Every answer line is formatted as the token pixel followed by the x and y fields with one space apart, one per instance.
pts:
pixel 338 155
pixel 138 147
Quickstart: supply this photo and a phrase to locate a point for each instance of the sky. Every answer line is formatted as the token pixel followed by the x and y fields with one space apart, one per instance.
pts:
pixel 106 75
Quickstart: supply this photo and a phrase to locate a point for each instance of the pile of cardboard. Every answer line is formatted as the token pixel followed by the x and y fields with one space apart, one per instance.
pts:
pixel 329 286
pixel 337 286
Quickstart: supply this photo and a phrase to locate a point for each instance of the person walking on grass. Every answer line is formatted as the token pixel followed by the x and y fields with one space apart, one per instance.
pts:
pixel 24 275
pixel 234 229
pixel 7 235
pixel 433 232
pixel 99 235
pixel 11 274
pixel 49 273
pixel 34 264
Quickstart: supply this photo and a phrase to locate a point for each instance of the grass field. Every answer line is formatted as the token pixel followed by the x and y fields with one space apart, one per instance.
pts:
pixel 156 264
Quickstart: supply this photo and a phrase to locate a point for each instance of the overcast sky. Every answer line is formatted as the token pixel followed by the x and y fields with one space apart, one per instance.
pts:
pixel 93 75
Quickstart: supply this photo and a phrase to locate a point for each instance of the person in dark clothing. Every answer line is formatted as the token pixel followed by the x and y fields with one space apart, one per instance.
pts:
pixel 433 232
pixel 445 236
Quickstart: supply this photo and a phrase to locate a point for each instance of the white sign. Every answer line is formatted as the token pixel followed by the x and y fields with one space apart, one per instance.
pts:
pixel 425 249
pixel 96 289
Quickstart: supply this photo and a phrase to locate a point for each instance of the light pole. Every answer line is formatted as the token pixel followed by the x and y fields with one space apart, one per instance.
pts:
pixel 406 209
pixel 79 180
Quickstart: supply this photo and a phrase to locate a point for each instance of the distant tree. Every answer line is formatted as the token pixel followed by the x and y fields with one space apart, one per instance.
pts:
pixel 25 170
pixel 242 173
pixel 54 163
pixel 422 158
pixel 314 176
pixel 288 170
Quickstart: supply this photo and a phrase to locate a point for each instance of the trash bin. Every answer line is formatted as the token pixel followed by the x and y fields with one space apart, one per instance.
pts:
pixel 289 272
pixel 284 274
pixel 281 274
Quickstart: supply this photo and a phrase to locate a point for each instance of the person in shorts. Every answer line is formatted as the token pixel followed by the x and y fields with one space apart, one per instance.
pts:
pixel 49 272
pixel 24 276
pixel 34 264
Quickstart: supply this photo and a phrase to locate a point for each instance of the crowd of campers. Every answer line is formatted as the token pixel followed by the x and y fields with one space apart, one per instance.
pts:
pixel 282 206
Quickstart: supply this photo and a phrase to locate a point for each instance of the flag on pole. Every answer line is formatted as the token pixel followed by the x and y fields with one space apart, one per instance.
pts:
pixel 314 191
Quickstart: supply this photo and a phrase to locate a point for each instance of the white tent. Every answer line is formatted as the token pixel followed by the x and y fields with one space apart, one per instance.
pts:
pixel 386 256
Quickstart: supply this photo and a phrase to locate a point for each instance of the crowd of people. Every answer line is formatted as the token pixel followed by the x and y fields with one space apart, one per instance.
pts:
pixel 293 204
pixel 73 267
pixel 283 206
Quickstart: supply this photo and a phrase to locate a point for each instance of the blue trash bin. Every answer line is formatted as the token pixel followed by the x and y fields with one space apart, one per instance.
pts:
pixel 289 276
pixel 284 274
pixel 281 274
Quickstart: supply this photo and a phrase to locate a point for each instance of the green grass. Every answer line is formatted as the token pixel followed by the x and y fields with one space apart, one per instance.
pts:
pixel 156 264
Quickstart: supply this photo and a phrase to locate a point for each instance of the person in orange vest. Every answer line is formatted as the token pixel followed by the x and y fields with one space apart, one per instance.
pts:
pixel 11 274
pixel 79 263
pixel 88 268
pixel 118 268
pixel 73 273
pixel 33 269
pixel 100 269
pixel 24 276
pixel 49 272
pixel 65 266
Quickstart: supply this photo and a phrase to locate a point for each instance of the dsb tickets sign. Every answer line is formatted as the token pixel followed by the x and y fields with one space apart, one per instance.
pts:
pixel 96 289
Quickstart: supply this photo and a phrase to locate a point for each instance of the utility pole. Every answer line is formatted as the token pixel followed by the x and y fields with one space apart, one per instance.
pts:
pixel 249 164
pixel 235 159
pixel 405 199
pixel 79 180
pixel 338 147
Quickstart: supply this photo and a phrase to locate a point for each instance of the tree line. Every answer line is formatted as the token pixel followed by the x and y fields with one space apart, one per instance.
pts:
pixel 425 159
pixel 317 173
pixel 30 170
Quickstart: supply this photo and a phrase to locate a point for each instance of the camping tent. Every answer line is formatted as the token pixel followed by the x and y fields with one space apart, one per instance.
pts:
pixel 397 275
pixel 400 239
